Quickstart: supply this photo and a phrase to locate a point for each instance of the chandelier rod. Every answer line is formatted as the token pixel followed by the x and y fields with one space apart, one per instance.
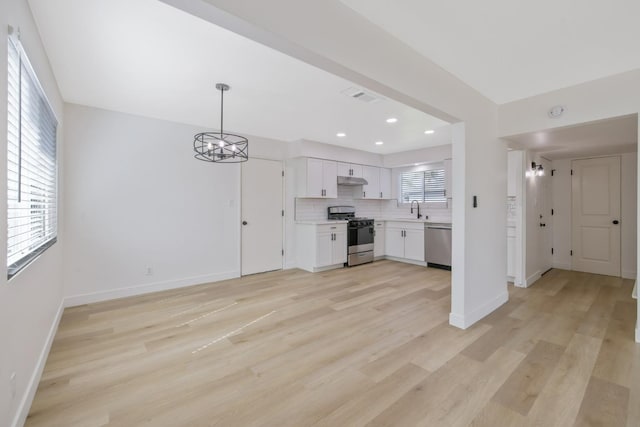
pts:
pixel 221 111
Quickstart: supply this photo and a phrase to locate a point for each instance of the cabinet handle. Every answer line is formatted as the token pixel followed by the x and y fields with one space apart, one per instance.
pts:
pixel 381 194
pixel 364 194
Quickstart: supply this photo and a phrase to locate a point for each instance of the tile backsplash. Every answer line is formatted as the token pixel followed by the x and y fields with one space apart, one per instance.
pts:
pixel 316 209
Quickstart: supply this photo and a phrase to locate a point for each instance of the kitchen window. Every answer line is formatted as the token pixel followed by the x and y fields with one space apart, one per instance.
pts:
pixel 31 164
pixel 423 186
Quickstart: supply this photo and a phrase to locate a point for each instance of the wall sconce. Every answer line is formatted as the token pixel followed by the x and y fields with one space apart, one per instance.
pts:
pixel 536 170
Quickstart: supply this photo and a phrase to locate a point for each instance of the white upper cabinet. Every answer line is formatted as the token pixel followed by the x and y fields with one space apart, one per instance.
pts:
pixel 378 183
pixel 349 169
pixel 372 189
pixel 317 178
pixel 448 178
pixel 330 179
pixel 385 183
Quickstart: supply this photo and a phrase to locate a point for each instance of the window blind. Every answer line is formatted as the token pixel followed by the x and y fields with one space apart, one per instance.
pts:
pixel 412 186
pixel 31 164
pixel 423 186
pixel 434 186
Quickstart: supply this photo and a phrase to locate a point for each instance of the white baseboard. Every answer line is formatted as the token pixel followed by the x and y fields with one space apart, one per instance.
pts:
pixel 463 321
pixel 32 386
pixel 628 274
pixel 406 261
pixel 532 279
pixel 638 333
pixel 74 300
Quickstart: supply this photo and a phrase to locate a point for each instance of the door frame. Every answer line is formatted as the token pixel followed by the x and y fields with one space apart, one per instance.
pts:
pixel 284 202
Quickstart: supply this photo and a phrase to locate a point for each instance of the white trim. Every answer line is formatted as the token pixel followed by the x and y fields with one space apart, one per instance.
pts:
pixel 463 321
pixel 30 392
pixel 532 279
pixel 74 300
pixel 406 260
pixel 325 268
pixel 628 274
pixel 638 332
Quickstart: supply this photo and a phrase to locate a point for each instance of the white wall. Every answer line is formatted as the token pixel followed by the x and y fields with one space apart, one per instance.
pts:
pixel 136 198
pixel 561 182
pixel 30 304
pixel 429 154
pixel 604 98
pixel 534 262
pixel 306 148
pixel 394 70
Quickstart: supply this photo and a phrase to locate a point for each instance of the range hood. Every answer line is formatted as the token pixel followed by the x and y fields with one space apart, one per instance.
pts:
pixel 351 180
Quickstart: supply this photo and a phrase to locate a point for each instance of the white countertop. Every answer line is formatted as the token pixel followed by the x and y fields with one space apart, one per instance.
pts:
pixel 421 220
pixel 333 221
pixel 322 221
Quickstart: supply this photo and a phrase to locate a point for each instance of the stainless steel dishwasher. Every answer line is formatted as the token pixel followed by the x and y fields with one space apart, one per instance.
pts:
pixel 437 244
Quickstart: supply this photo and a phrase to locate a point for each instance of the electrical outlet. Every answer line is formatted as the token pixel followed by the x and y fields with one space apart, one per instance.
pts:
pixel 12 385
pixel 148 271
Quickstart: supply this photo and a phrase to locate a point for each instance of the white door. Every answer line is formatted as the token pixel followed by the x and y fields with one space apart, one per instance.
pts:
pixel 545 223
pixel 324 249
pixel 378 240
pixel 339 253
pixel 394 242
pixel 261 216
pixel 595 189
pixel 414 245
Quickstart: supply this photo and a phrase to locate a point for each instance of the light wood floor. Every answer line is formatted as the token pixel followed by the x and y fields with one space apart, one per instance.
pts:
pixel 363 346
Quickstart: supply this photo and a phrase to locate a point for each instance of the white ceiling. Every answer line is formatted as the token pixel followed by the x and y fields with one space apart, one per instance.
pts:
pixel 611 136
pixel 508 49
pixel 147 58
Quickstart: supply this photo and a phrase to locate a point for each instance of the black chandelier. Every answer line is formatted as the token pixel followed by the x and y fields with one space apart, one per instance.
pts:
pixel 221 147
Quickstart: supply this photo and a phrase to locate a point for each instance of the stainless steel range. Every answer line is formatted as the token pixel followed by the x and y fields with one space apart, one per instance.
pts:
pixel 359 234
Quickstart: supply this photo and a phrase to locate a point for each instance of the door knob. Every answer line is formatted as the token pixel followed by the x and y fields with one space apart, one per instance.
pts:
pixel 244 223
pixel 616 222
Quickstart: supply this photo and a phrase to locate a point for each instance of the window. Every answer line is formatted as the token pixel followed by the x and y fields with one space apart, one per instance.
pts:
pixel 31 165
pixel 424 186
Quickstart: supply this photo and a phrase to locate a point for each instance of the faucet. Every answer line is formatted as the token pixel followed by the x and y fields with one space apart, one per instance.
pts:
pixel 418 205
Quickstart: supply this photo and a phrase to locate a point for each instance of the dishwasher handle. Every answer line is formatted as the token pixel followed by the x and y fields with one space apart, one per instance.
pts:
pixel 439 228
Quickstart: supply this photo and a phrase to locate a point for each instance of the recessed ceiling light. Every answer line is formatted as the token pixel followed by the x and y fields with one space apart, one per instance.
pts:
pixel 392 120
pixel 429 132
pixel 341 134
pixel 379 142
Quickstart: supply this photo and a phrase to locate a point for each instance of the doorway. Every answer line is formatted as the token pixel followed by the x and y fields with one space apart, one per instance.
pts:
pixel 595 234
pixel 262 216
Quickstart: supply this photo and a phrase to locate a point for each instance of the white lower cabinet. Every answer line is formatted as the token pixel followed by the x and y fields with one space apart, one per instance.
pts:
pixel 404 241
pixel 321 246
pixel 378 239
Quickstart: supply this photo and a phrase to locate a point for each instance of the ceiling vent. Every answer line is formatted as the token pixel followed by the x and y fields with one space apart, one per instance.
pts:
pixel 362 95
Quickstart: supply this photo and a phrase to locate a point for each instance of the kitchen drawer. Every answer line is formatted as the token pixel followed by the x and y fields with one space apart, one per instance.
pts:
pixel 328 228
pixel 406 225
